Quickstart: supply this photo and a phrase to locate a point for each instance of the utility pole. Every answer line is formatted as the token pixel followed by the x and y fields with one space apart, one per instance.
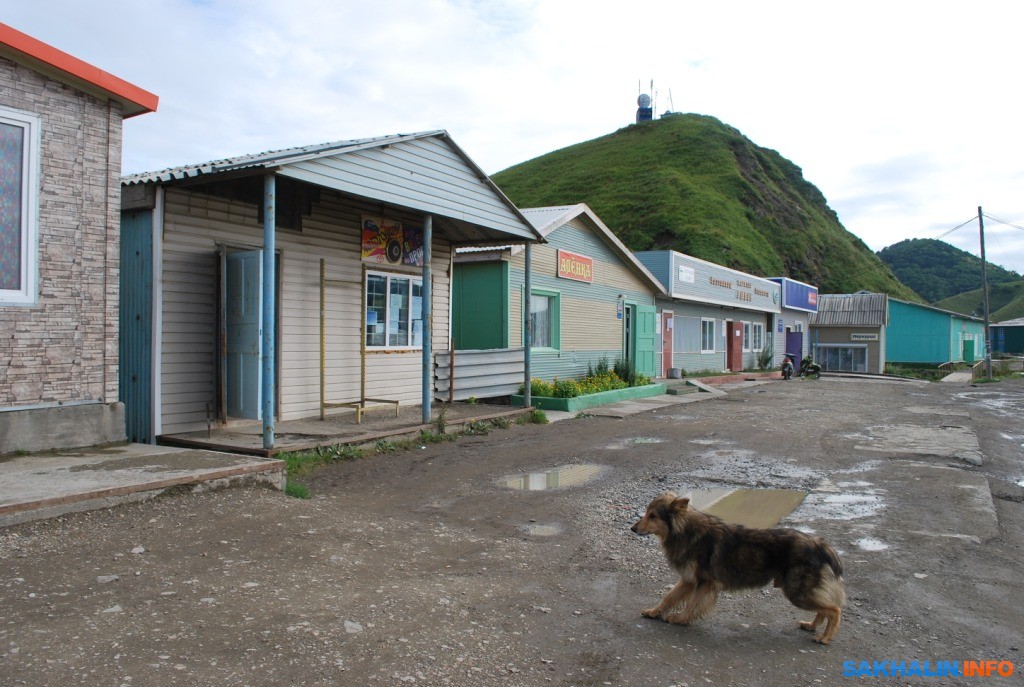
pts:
pixel 984 292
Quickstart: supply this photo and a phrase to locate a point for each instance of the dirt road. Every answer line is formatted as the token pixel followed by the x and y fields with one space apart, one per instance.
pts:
pixel 429 567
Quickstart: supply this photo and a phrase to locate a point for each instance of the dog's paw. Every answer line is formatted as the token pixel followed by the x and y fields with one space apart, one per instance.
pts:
pixel 808 626
pixel 677 619
pixel 651 613
pixel 820 640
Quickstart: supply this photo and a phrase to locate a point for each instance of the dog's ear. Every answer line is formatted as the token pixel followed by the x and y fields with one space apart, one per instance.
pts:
pixel 681 504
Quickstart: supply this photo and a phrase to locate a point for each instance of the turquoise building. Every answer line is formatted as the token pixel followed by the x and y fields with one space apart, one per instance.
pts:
pixel 923 334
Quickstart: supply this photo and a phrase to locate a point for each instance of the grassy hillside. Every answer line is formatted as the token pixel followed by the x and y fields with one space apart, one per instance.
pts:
pixel 937 270
pixel 1005 302
pixel 698 186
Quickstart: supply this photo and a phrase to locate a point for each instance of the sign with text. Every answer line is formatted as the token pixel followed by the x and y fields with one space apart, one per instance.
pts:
pixel 575 266
pixel 855 336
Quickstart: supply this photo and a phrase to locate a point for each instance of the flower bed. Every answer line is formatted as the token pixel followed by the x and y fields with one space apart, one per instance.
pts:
pixel 593 400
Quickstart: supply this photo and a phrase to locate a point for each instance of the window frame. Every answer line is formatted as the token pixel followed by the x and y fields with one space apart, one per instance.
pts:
pixel 747 340
pixel 713 329
pixel 388 278
pixel 31 126
pixel 757 337
pixel 555 319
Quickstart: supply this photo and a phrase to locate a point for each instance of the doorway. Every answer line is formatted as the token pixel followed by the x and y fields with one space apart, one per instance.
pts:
pixel 733 346
pixel 240 360
pixel 667 321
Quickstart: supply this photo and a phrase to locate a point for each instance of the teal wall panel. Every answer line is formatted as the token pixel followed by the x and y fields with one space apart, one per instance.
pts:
pixel 135 347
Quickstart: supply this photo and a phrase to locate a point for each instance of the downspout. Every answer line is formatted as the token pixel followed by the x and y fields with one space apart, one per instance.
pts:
pixel 427 317
pixel 527 327
pixel 269 298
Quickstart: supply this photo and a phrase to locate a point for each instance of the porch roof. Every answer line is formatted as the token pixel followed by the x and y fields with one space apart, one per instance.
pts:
pixel 425 172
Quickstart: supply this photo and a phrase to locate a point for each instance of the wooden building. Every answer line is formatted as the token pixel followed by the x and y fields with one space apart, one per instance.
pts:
pixel 863 332
pixel 713 318
pixel 382 215
pixel 590 298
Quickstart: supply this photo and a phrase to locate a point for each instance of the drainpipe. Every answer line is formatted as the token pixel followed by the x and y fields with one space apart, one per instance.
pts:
pixel 269 298
pixel 527 328
pixel 427 317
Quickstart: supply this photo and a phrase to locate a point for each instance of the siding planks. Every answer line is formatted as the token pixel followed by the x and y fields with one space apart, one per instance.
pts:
pixel 196 224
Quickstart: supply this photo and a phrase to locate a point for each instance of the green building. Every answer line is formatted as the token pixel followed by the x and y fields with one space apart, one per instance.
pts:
pixel 590 298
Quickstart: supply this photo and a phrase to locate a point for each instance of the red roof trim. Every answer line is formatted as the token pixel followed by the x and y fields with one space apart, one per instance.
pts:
pixel 135 100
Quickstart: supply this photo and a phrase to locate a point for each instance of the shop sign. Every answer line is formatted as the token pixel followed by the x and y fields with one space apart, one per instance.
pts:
pixel 575 266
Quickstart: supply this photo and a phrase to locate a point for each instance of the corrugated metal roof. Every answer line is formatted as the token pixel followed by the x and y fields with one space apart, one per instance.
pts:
pixel 272 158
pixel 851 310
pixel 1019 322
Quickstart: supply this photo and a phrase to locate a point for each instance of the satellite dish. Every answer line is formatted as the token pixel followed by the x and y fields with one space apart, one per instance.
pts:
pixel 644 100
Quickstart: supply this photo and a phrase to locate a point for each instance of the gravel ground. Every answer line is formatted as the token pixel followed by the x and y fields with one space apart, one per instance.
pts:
pixel 424 568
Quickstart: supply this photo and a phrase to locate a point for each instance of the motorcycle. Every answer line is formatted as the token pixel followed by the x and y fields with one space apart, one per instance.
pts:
pixel 787 368
pixel 809 368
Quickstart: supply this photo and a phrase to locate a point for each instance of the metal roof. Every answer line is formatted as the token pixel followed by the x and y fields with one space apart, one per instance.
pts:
pixel 851 310
pixel 1019 322
pixel 272 158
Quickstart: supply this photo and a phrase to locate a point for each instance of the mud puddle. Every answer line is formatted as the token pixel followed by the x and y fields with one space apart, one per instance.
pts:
pixel 555 478
pixel 633 441
pixel 748 507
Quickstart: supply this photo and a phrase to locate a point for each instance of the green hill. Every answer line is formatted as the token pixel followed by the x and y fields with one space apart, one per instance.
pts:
pixel 693 184
pixel 1005 302
pixel 937 270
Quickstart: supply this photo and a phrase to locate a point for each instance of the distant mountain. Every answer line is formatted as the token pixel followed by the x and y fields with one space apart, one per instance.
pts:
pixel 937 270
pixel 1005 302
pixel 690 183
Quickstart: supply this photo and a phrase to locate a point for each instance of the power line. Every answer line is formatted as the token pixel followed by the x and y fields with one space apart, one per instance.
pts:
pixel 1003 221
pixel 959 226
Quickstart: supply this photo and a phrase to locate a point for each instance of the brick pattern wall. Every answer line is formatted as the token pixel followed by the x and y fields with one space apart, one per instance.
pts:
pixel 65 347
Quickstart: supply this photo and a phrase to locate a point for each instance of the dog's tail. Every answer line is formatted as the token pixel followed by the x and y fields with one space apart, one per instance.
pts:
pixel 830 557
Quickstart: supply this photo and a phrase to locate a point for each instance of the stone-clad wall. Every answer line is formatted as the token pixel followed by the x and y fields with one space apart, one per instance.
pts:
pixel 65 347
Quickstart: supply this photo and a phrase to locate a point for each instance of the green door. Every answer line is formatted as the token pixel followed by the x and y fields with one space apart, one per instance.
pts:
pixel 646 333
pixel 480 306
pixel 968 351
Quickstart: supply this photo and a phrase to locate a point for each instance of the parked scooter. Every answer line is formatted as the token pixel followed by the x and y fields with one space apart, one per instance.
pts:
pixel 787 368
pixel 809 368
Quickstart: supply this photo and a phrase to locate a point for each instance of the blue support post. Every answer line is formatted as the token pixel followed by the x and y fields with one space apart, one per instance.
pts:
pixel 427 317
pixel 269 298
pixel 527 328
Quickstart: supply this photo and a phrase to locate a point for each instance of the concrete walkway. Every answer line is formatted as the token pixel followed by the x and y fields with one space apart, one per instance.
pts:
pixel 960 377
pixel 44 485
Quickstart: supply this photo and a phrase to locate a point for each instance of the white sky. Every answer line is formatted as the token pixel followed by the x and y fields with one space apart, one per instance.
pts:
pixel 905 114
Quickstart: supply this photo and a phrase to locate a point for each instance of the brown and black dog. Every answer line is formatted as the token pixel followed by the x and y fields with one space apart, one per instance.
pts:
pixel 711 556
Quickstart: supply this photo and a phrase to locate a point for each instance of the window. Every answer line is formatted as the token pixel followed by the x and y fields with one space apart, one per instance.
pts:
pixel 545 319
pixel 19 201
pixel 707 336
pixel 686 334
pixel 746 336
pixel 843 358
pixel 757 336
pixel 394 306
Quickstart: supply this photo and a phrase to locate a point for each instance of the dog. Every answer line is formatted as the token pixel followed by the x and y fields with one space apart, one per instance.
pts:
pixel 711 556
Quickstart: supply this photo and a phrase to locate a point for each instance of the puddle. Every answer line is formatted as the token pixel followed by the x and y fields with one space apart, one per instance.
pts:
pixel 633 441
pixel 868 544
pixel 541 530
pixel 748 507
pixel 555 478
pixel 840 506
pixel 1002 404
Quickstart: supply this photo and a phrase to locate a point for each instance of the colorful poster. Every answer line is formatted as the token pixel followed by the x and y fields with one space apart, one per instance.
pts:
pixel 386 242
